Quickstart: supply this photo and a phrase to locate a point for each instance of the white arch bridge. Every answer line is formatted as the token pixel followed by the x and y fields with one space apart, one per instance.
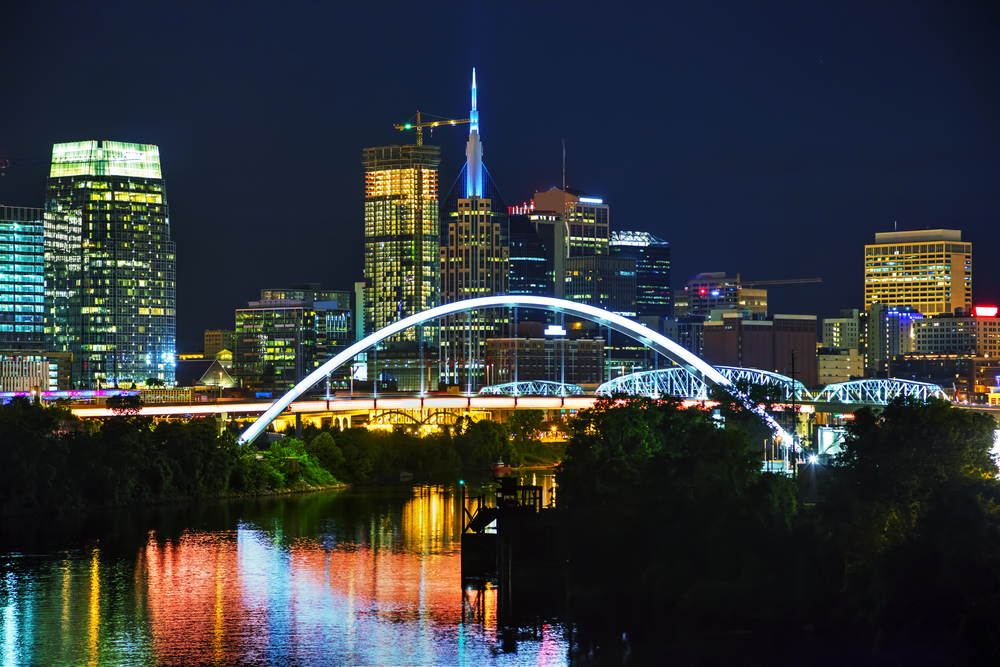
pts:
pixel 651 339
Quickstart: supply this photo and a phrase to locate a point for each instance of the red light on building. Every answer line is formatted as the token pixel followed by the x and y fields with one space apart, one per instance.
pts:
pixel 986 311
pixel 703 291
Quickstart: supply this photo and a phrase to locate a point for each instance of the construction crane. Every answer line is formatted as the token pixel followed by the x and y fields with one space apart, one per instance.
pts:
pixel 419 126
pixel 789 281
pixel 16 162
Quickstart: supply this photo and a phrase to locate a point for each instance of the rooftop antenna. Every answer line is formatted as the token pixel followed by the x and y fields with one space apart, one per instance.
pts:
pixel 564 165
pixel 895 226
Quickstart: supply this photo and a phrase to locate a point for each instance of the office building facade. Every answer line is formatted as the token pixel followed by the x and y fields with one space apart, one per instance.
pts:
pixel 652 271
pixel 839 365
pixel 22 278
pixel 402 234
pixel 557 359
pixel 603 281
pixel 110 262
pixel 769 345
pixel 843 332
pixel 586 220
pixel 717 291
pixel 279 342
pixel 929 271
pixel 528 259
pixel 217 340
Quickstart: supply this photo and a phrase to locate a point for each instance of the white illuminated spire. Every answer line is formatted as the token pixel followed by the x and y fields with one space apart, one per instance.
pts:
pixel 474 151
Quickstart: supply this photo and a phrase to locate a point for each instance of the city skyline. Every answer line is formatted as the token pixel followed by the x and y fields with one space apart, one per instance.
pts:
pixel 794 133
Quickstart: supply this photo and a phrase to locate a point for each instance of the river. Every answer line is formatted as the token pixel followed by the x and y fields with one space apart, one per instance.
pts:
pixel 369 575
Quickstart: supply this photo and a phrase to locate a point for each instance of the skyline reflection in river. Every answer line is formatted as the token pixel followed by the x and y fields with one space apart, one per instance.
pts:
pixel 359 576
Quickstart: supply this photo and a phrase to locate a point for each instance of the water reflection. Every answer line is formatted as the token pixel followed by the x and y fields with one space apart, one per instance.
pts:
pixel 360 576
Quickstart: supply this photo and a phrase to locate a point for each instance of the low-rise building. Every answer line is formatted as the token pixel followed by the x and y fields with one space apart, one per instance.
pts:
pixel 775 345
pixel 843 332
pixel 24 370
pixel 839 365
pixel 279 342
pixel 217 340
pixel 557 359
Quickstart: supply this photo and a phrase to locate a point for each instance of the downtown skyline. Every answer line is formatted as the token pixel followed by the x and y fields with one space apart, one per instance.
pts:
pixel 772 141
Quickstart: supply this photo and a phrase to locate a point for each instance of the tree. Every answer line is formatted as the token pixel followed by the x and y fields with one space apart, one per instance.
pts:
pixel 713 528
pixel 891 463
pixel 910 531
pixel 125 405
pixel 327 454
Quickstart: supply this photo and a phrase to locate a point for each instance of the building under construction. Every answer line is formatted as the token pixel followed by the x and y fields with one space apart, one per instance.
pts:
pixel 401 258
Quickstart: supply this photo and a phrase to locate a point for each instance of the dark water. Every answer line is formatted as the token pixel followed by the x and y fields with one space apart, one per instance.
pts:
pixel 363 576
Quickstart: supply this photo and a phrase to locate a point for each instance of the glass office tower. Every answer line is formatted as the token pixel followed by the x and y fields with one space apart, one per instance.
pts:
pixel 22 278
pixel 111 296
pixel 652 271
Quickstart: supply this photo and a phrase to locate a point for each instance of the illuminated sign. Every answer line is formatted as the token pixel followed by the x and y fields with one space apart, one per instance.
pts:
pixel 986 311
pixel 591 200
pixel 554 330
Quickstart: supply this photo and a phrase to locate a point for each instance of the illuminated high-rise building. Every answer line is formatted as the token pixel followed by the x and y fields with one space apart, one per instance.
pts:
pixel 401 257
pixel 652 271
pixel 110 263
pixel 586 220
pixel 929 271
pixel 22 278
pixel 473 263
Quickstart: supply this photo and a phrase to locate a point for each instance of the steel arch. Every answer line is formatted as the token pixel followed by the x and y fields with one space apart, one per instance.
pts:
pixel 642 334
pixel 879 392
pixel 403 417
pixel 533 388
pixel 679 382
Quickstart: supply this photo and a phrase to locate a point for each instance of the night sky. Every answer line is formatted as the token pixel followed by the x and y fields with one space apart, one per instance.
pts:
pixel 771 139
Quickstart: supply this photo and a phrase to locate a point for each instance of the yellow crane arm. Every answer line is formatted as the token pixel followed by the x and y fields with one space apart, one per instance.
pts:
pixel 419 126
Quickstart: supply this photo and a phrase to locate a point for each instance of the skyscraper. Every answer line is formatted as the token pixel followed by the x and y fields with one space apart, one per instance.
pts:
pixel 22 278
pixel 929 271
pixel 401 254
pixel 473 262
pixel 110 263
pixel 586 219
pixel 652 271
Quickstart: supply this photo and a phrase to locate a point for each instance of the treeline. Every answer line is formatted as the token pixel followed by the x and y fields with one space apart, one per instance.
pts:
pixel 52 461
pixel 687 538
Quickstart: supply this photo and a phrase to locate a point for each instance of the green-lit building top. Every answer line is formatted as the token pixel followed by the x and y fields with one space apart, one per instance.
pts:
pixel 111 294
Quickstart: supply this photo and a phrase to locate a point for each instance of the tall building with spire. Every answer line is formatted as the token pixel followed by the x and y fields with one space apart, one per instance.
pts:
pixel 110 264
pixel 473 262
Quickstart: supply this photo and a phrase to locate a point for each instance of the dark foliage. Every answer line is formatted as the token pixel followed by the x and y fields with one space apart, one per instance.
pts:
pixel 902 558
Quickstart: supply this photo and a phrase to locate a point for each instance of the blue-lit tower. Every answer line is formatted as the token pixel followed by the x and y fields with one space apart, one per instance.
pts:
pixel 474 262
pixel 474 150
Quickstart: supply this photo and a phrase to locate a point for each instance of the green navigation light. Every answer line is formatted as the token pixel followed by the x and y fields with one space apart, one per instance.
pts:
pixel 408 126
